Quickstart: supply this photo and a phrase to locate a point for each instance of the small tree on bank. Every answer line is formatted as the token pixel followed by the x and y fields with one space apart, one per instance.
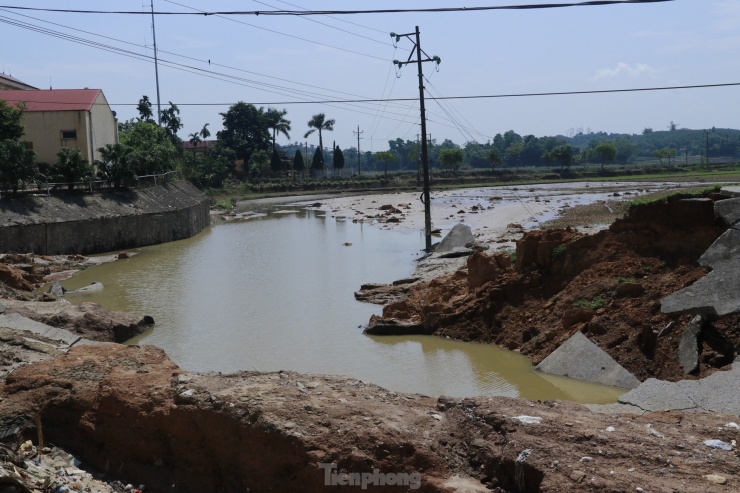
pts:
pixel 451 159
pixel 70 167
pixel 298 164
pixel 17 164
pixel 338 159
pixel 386 157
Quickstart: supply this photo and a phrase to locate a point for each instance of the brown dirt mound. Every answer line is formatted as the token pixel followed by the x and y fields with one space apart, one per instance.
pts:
pixel 131 412
pixel 608 285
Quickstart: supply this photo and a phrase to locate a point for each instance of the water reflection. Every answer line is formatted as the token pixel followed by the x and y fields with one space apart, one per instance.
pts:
pixel 276 292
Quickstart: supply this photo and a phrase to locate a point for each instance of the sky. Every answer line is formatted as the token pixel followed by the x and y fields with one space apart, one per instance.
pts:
pixel 279 61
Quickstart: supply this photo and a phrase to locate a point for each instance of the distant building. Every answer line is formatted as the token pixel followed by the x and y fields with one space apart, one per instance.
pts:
pixel 201 147
pixel 55 118
pixel 9 83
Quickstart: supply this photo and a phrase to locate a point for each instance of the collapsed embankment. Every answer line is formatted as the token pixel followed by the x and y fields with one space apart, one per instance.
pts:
pixel 104 222
pixel 131 412
pixel 608 285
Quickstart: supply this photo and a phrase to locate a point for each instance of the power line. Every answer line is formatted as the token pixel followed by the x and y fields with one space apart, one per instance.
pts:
pixel 211 74
pixel 216 14
pixel 329 25
pixel 209 62
pixel 593 3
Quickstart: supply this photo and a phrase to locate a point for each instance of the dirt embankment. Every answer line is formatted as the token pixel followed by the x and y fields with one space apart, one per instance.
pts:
pixel 607 285
pixel 131 412
pixel 20 275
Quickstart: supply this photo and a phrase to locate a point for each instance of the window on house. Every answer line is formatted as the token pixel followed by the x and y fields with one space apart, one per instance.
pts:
pixel 69 134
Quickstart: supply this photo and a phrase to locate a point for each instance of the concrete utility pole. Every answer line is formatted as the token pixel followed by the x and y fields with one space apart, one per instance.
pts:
pixel 424 153
pixel 156 67
pixel 359 172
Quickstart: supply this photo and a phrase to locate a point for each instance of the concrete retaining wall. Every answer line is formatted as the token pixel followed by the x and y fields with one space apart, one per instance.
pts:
pixel 103 222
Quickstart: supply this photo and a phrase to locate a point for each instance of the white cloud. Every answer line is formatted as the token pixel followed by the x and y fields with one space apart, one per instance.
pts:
pixel 625 69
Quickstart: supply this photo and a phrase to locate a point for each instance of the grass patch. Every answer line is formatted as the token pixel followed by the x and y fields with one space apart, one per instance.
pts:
pixel 593 304
pixel 621 280
pixel 558 251
pixel 663 196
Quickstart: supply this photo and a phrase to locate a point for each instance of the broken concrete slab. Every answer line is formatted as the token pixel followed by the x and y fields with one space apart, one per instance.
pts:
pixel 733 191
pixel 2 308
pixel 724 250
pixel 716 294
pixel 657 395
pixel 728 210
pixel 18 322
pixel 457 252
pixel 459 236
pixel 715 393
pixel 688 347
pixel 580 358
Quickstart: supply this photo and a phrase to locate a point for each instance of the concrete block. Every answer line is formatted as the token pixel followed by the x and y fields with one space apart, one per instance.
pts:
pixel 580 358
pixel 728 210
pixel 459 236
pixel 688 347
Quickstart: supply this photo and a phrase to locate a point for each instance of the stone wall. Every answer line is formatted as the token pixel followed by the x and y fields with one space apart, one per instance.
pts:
pixel 102 222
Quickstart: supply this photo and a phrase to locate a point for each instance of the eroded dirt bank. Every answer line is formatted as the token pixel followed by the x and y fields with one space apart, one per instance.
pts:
pixel 607 285
pixel 132 412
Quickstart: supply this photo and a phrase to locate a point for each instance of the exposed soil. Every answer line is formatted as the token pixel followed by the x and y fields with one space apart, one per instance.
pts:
pixel 607 285
pixel 132 412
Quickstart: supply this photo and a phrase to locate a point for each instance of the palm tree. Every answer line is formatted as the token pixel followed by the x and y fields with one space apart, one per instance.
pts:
pixel 71 167
pixel 116 165
pixel 205 133
pixel 194 139
pixel 319 122
pixel 277 123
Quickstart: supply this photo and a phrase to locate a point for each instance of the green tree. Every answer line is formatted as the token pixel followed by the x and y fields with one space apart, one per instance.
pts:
pixel 451 159
pixel 514 153
pixel 386 157
pixel 548 158
pixel 204 132
pixel 145 110
pixel 319 123
pixel 70 167
pixel 606 151
pixel 171 122
pixel 317 163
pixel 208 169
pixel 17 164
pixel 245 130
pixel 116 165
pixel 11 121
pixel 564 153
pixel 276 164
pixel 277 123
pixel 493 156
pixel 152 149
pixel 338 159
pixel 259 165
pixel 194 139
pixel 298 163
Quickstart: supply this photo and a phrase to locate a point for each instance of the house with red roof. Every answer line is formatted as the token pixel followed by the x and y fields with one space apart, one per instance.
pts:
pixel 55 118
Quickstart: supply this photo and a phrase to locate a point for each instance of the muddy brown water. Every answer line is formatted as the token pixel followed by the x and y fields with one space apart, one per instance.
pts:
pixel 276 293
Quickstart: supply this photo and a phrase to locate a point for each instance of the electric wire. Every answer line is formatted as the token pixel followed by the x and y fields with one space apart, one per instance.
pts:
pixel 209 62
pixel 222 16
pixel 592 3
pixel 259 85
pixel 329 25
pixel 340 20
